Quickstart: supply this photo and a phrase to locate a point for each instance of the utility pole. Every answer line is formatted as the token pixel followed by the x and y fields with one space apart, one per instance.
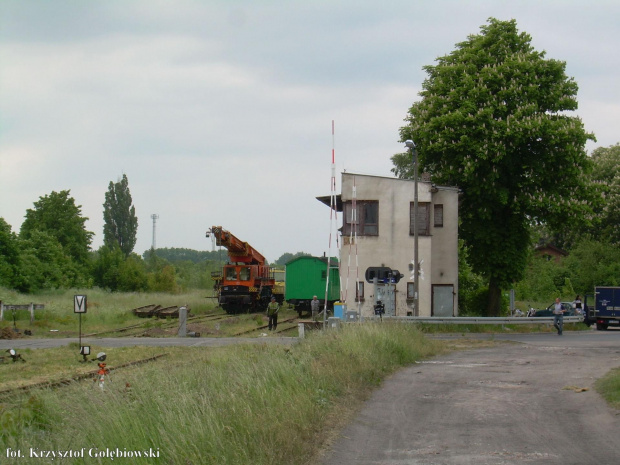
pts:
pixel 416 264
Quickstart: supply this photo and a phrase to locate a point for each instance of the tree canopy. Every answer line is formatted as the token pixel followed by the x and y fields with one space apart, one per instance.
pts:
pixel 57 215
pixel 494 120
pixel 9 256
pixel 45 264
pixel 179 254
pixel 287 257
pixel 606 175
pixel 119 217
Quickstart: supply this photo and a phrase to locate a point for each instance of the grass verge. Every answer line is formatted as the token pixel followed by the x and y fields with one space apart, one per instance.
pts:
pixel 609 387
pixel 258 404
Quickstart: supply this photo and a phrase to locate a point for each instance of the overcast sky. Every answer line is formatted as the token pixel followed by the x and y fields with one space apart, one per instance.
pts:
pixel 220 112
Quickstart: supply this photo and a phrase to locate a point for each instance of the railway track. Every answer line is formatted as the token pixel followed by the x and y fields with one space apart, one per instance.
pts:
pixel 137 329
pixel 146 324
pixel 283 322
pixel 140 329
pixel 71 379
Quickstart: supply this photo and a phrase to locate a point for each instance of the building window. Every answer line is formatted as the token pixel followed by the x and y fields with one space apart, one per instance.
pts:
pixel 410 290
pixel 366 217
pixel 423 218
pixel 359 291
pixel 438 215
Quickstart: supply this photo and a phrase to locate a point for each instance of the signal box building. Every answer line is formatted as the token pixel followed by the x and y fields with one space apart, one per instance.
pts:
pixel 384 237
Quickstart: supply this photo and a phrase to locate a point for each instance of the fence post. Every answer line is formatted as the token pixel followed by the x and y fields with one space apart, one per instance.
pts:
pixel 182 322
pixel 31 308
pixel 1 310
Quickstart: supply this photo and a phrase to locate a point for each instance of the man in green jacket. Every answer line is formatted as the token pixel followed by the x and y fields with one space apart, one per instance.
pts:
pixel 272 313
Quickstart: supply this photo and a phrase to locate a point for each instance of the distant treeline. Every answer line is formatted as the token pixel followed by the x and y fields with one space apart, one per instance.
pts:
pixel 175 254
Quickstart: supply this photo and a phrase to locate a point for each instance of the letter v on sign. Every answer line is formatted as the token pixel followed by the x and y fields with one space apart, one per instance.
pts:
pixel 79 304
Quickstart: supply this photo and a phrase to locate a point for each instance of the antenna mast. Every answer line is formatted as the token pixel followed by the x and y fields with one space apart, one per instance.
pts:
pixel 155 217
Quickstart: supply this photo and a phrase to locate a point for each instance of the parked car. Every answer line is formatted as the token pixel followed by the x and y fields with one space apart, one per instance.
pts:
pixel 566 306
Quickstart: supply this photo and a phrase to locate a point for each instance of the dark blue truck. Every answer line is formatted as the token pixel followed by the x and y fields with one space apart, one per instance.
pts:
pixel 603 308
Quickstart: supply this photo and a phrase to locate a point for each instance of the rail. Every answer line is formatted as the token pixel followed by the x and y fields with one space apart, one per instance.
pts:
pixel 458 320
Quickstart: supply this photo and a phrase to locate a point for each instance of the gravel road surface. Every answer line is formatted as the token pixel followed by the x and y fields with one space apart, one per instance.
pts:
pixel 511 404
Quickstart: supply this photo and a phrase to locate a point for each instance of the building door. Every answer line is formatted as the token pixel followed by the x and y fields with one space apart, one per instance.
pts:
pixel 386 294
pixel 443 300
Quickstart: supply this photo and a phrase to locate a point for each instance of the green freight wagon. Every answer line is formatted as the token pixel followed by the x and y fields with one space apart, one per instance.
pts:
pixel 306 277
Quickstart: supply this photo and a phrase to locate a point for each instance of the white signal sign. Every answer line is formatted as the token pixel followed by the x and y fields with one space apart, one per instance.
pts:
pixel 79 304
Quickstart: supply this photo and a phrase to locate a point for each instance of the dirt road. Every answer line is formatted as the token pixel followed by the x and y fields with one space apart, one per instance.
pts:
pixel 511 404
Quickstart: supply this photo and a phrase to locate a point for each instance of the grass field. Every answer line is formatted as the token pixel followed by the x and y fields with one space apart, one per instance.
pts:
pixel 105 310
pixel 110 314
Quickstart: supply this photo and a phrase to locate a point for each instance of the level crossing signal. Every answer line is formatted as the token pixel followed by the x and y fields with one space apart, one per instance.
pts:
pixel 383 274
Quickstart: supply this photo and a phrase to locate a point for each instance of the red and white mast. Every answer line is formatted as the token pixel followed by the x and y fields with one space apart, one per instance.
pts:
pixel 333 220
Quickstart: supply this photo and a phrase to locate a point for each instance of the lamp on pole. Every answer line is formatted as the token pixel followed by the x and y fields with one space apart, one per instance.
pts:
pixel 416 264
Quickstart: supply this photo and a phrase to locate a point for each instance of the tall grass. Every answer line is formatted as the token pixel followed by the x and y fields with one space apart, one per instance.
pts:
pixel 248 404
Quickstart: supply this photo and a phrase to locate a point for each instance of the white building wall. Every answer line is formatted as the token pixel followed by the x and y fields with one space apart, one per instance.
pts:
pixel 394 246
pixel 444 246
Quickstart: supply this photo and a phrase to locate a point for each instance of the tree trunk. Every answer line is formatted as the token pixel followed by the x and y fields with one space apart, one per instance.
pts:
pixel 495 299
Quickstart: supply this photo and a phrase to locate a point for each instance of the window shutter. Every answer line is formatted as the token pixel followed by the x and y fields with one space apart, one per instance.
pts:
pixel 423 218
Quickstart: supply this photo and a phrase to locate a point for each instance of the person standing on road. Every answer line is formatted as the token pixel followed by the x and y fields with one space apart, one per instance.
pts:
pixel 314 306
pixel 577 305
pixel 272 313
pixel 558 316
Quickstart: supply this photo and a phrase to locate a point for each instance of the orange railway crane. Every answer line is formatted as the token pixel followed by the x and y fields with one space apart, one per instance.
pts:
pixel 247 282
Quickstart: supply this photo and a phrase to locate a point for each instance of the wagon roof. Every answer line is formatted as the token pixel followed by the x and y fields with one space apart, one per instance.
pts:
pixel 333 262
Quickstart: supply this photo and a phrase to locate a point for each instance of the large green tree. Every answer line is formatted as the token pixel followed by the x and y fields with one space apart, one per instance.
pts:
pixel 606 175
pixel 494 120
pixel 113 271
pixel 9 256
pixel 57 215
pixel 45 264
pixel 119 216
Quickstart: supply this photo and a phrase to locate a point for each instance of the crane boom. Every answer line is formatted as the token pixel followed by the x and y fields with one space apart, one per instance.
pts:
pixel 238 251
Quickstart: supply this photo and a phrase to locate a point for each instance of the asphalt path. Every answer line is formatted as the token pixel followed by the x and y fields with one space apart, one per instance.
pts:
pixel 509 404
